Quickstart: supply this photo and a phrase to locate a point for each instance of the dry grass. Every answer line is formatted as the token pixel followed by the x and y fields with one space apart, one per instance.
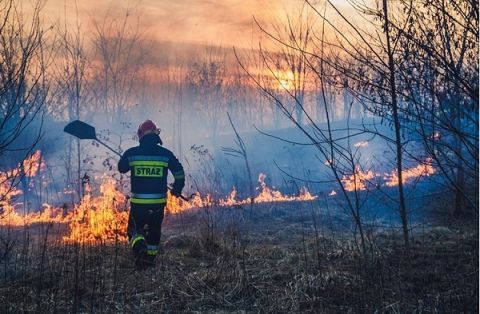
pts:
pixel 273 260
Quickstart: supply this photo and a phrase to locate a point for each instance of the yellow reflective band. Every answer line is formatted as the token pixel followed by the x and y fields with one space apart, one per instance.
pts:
pixel 152 252
pixel 148 200
pixel 136 239
pixel 148 163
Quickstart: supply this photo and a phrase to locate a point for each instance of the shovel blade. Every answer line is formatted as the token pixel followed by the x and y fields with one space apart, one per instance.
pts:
pixel 81 130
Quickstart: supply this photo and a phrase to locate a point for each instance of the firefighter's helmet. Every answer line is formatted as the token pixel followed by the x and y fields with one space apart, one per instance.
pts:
pixel 147 127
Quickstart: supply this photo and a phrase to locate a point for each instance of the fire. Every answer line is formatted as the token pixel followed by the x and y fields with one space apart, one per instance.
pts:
pixel 32 164
pixel 176 205
pixel 9 191
pixel 266 195
pixel 94 219
pixel 98 219
pixel 230 200
pixel 104 218
pixel 423 169
pixel 30 167
pixel 7 194
pixel 357 180
pixel 271 195
pixel 11 217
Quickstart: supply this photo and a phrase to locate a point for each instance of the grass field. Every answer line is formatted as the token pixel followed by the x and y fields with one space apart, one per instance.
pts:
pixel 280 257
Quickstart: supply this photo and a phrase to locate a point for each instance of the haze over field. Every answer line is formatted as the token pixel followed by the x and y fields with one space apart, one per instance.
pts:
pixel 224 23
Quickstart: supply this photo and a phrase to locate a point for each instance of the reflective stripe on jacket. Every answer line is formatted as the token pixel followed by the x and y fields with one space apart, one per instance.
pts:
pixel 149 164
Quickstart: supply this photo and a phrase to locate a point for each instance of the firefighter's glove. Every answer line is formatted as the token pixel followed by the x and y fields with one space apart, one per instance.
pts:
pixel 176 192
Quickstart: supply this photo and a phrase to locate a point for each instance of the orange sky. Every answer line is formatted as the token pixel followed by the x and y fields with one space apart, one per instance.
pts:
pixel 215 22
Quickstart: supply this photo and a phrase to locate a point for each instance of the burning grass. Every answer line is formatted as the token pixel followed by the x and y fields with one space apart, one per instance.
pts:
pixel 104 218
pixel 361 180
pixel 409 174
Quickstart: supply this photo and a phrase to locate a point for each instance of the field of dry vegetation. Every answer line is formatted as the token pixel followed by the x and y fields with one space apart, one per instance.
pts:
pixel 280 257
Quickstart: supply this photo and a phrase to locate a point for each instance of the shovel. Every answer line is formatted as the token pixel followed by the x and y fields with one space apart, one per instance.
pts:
pixel 85 131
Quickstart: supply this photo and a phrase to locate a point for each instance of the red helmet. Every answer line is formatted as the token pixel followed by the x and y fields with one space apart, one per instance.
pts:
pixel 146 127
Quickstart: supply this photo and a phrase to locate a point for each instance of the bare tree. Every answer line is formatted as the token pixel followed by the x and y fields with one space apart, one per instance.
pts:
pixel 422 76
pixel 120 55
pixel 338 153
pixel 23 85
pixel 72 91
pixel 339 157
pixel 440 82
pixel 206 81
pixel 370 60
pixel 290 66
pixel 241 152
pixel 393 101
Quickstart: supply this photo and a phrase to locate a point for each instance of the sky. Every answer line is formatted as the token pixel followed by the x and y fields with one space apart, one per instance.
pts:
pixel 213 22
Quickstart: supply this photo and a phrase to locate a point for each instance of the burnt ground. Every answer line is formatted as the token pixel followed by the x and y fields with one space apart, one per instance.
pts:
pixel 279 257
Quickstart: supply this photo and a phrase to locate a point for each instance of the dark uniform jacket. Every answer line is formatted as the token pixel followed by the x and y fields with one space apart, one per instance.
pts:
pixel 148 164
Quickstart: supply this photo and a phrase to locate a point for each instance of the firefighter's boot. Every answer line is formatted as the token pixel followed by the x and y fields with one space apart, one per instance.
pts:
pixel 139 247
pixel 151 253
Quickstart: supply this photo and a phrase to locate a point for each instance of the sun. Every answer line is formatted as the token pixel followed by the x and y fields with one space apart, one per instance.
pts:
pixel 285 80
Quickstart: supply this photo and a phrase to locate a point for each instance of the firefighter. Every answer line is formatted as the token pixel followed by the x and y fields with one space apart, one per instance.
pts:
pixel 148 164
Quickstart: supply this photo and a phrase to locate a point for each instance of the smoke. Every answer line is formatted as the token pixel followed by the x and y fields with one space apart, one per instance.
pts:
pixel 175 76
pixel 224 23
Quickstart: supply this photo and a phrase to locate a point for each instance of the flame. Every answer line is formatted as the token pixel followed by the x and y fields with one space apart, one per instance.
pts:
pixel 266 194
pixel 98 219
pixel 424 169
pixel 32 164
pixel 176 205
pixel 11 217
pixel 9 191
pixel 30 167
pixel 103 218
pixel 271 195
pixel 231 200
pixel 93 219
pixel 357 180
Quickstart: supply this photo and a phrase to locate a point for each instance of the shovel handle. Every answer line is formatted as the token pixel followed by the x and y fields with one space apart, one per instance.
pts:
pixel 181 196
pixel 111 149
